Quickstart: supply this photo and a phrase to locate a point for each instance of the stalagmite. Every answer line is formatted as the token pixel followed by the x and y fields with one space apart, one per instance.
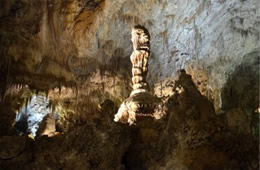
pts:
pixel 139 59
pixel 141 102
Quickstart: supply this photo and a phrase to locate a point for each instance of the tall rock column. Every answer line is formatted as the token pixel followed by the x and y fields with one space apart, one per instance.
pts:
pixel 141 103
pixel 139 58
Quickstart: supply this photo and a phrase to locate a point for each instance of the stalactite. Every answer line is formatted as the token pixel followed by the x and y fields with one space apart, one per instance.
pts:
pixel 19 87
pixel 37 92
pixel 11 93
pixel 4 95
pixel 103 87
pixel 52 108
pixel 114 82
pixel 59 89
pixel 47 94
pixel 77 96
pixel 26 105
pixel 161 88
pixel 30 98
pixel 8 70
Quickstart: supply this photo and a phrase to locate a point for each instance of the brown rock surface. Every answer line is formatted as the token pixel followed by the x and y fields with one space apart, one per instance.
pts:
pixel 190 136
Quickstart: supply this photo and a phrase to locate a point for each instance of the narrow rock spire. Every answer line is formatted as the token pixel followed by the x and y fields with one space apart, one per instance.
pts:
pixel 139 59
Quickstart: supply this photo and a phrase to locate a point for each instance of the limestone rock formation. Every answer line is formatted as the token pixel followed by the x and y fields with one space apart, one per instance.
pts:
pixel 47 126
pixel 139 59
pixel 32 114
pixel 141 102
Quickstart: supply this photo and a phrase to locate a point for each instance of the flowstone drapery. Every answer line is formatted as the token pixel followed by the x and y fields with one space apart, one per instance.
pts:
pixel 141 102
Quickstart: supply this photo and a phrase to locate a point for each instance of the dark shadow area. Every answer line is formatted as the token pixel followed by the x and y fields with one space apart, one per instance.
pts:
pixel 242 86
pixel 241 91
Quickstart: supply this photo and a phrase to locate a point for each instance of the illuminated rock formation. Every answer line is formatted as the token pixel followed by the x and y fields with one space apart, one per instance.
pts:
pixel 139 59
pixel 141 102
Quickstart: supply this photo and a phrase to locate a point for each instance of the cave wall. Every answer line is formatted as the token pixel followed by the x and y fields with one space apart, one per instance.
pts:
pixel 86 45
pixel 49 43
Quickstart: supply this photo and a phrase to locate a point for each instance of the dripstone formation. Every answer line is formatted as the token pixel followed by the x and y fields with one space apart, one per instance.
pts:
pixel 141 102
pixel 139 59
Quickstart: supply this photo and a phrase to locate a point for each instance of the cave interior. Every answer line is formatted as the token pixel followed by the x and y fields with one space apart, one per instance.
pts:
pixel 129 85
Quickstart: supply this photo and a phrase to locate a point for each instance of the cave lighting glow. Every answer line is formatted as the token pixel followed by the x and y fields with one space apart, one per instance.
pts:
pixel 30 116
